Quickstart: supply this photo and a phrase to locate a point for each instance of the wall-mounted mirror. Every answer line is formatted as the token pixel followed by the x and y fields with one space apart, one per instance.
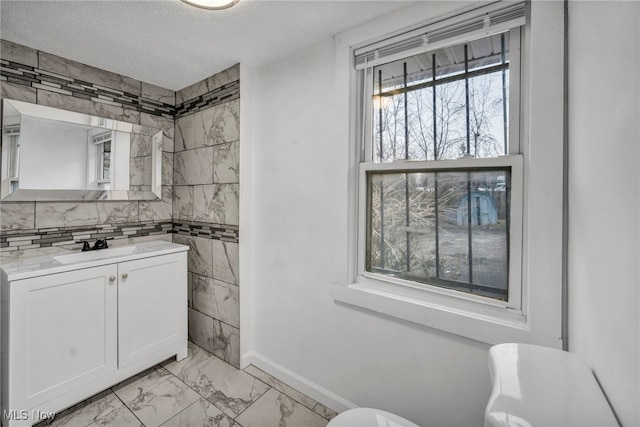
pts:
pixel 53 154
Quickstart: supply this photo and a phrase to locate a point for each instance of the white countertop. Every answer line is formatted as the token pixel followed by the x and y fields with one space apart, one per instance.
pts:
pixel 66 260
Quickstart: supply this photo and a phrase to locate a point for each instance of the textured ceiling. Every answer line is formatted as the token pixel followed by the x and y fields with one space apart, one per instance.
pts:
pixel 171 44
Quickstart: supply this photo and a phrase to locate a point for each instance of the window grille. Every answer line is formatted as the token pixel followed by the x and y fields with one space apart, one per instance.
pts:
pixel 441 172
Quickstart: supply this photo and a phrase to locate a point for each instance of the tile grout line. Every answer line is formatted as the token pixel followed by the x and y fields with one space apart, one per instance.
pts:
pixel 126 406
pixel 282 392
pixel 196 391
pixel 219 280
pixel 178 413
pixel 205 146
pixel 255 401
pixel 221 321
pixel 161 380
pixel 241 370
pixel 180 381
pixel 262 381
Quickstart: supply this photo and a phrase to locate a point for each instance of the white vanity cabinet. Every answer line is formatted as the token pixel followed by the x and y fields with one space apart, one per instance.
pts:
pixel 64 333
pixel 69 334
pixel 151 308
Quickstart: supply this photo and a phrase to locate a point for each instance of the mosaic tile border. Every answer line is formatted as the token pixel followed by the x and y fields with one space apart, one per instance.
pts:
pixel 37 78
pixel 61 236
pixel 220 95
pixel 27 75
pixel 225 233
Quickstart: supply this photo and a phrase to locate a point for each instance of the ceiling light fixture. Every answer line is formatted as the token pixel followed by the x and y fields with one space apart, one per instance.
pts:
pixel 212 4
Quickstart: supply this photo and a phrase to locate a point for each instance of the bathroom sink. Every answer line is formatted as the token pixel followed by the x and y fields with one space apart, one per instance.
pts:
pixel 94 255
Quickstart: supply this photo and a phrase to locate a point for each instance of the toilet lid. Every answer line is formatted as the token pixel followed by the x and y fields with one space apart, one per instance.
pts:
pixel 368 417
pixel 540 386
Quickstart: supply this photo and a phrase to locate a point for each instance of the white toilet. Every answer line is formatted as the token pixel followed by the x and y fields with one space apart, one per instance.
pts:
pixel 369 417
pixel 532 386
pixel 541 386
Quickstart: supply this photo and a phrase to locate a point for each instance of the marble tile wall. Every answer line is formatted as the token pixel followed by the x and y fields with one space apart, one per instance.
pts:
pixel 206 181
pixel 41 70
pixel 39 77
pixel 200 182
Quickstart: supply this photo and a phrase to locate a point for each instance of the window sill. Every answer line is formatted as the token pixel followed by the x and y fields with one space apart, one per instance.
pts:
pixel 490 325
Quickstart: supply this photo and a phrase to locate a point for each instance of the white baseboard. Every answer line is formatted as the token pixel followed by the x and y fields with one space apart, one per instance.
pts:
pixel 300 383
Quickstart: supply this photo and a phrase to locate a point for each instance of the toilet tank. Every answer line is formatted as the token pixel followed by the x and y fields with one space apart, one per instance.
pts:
pixel 539 386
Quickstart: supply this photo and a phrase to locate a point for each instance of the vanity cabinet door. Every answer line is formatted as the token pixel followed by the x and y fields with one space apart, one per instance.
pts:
pixel 62 333
pixel 152 297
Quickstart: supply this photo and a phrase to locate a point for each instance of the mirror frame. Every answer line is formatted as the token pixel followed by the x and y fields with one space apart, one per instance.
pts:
pixel 41 111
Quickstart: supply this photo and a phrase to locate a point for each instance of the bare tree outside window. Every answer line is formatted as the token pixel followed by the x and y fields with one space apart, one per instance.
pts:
pixel 444 228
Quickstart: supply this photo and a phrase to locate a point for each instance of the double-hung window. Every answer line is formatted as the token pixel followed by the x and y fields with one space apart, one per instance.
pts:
pixel 441 172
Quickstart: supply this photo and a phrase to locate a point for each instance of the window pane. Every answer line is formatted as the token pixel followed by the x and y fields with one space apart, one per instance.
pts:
pixel 106 160
pixel 489 230
pixel 388 240
pixel 14 156
pixel 451 123
pixel 460 112
pixel 419 69
pixel 420 121
pixel 389 137
pixel 448 229
pixel 422 226
pixel 486 116
pixel 487 52
pixel 453 233
pixel 106 166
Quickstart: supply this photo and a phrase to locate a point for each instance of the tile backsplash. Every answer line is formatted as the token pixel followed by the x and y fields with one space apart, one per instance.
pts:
pixel 67 236
pixel 21 240
pixel 200 180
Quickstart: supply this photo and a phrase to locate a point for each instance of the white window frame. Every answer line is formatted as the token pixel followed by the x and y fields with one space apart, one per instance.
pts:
pixel 98 142
pixel 11 159
pixel 539 318
pixel 513 160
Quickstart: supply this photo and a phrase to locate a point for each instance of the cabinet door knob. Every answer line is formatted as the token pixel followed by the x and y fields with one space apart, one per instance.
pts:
pixel 112 278
pixel 125 275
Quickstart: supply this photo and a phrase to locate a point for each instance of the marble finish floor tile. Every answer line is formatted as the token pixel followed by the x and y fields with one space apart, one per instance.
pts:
pixel 198 391
pixel 324 412
pixel 87 412
pixel 121 417
pixel 195 356
pixel 156 398
pixel 201 413
pixel 229 389
pixel 145 379
pixel 281 387
pixel 278 409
